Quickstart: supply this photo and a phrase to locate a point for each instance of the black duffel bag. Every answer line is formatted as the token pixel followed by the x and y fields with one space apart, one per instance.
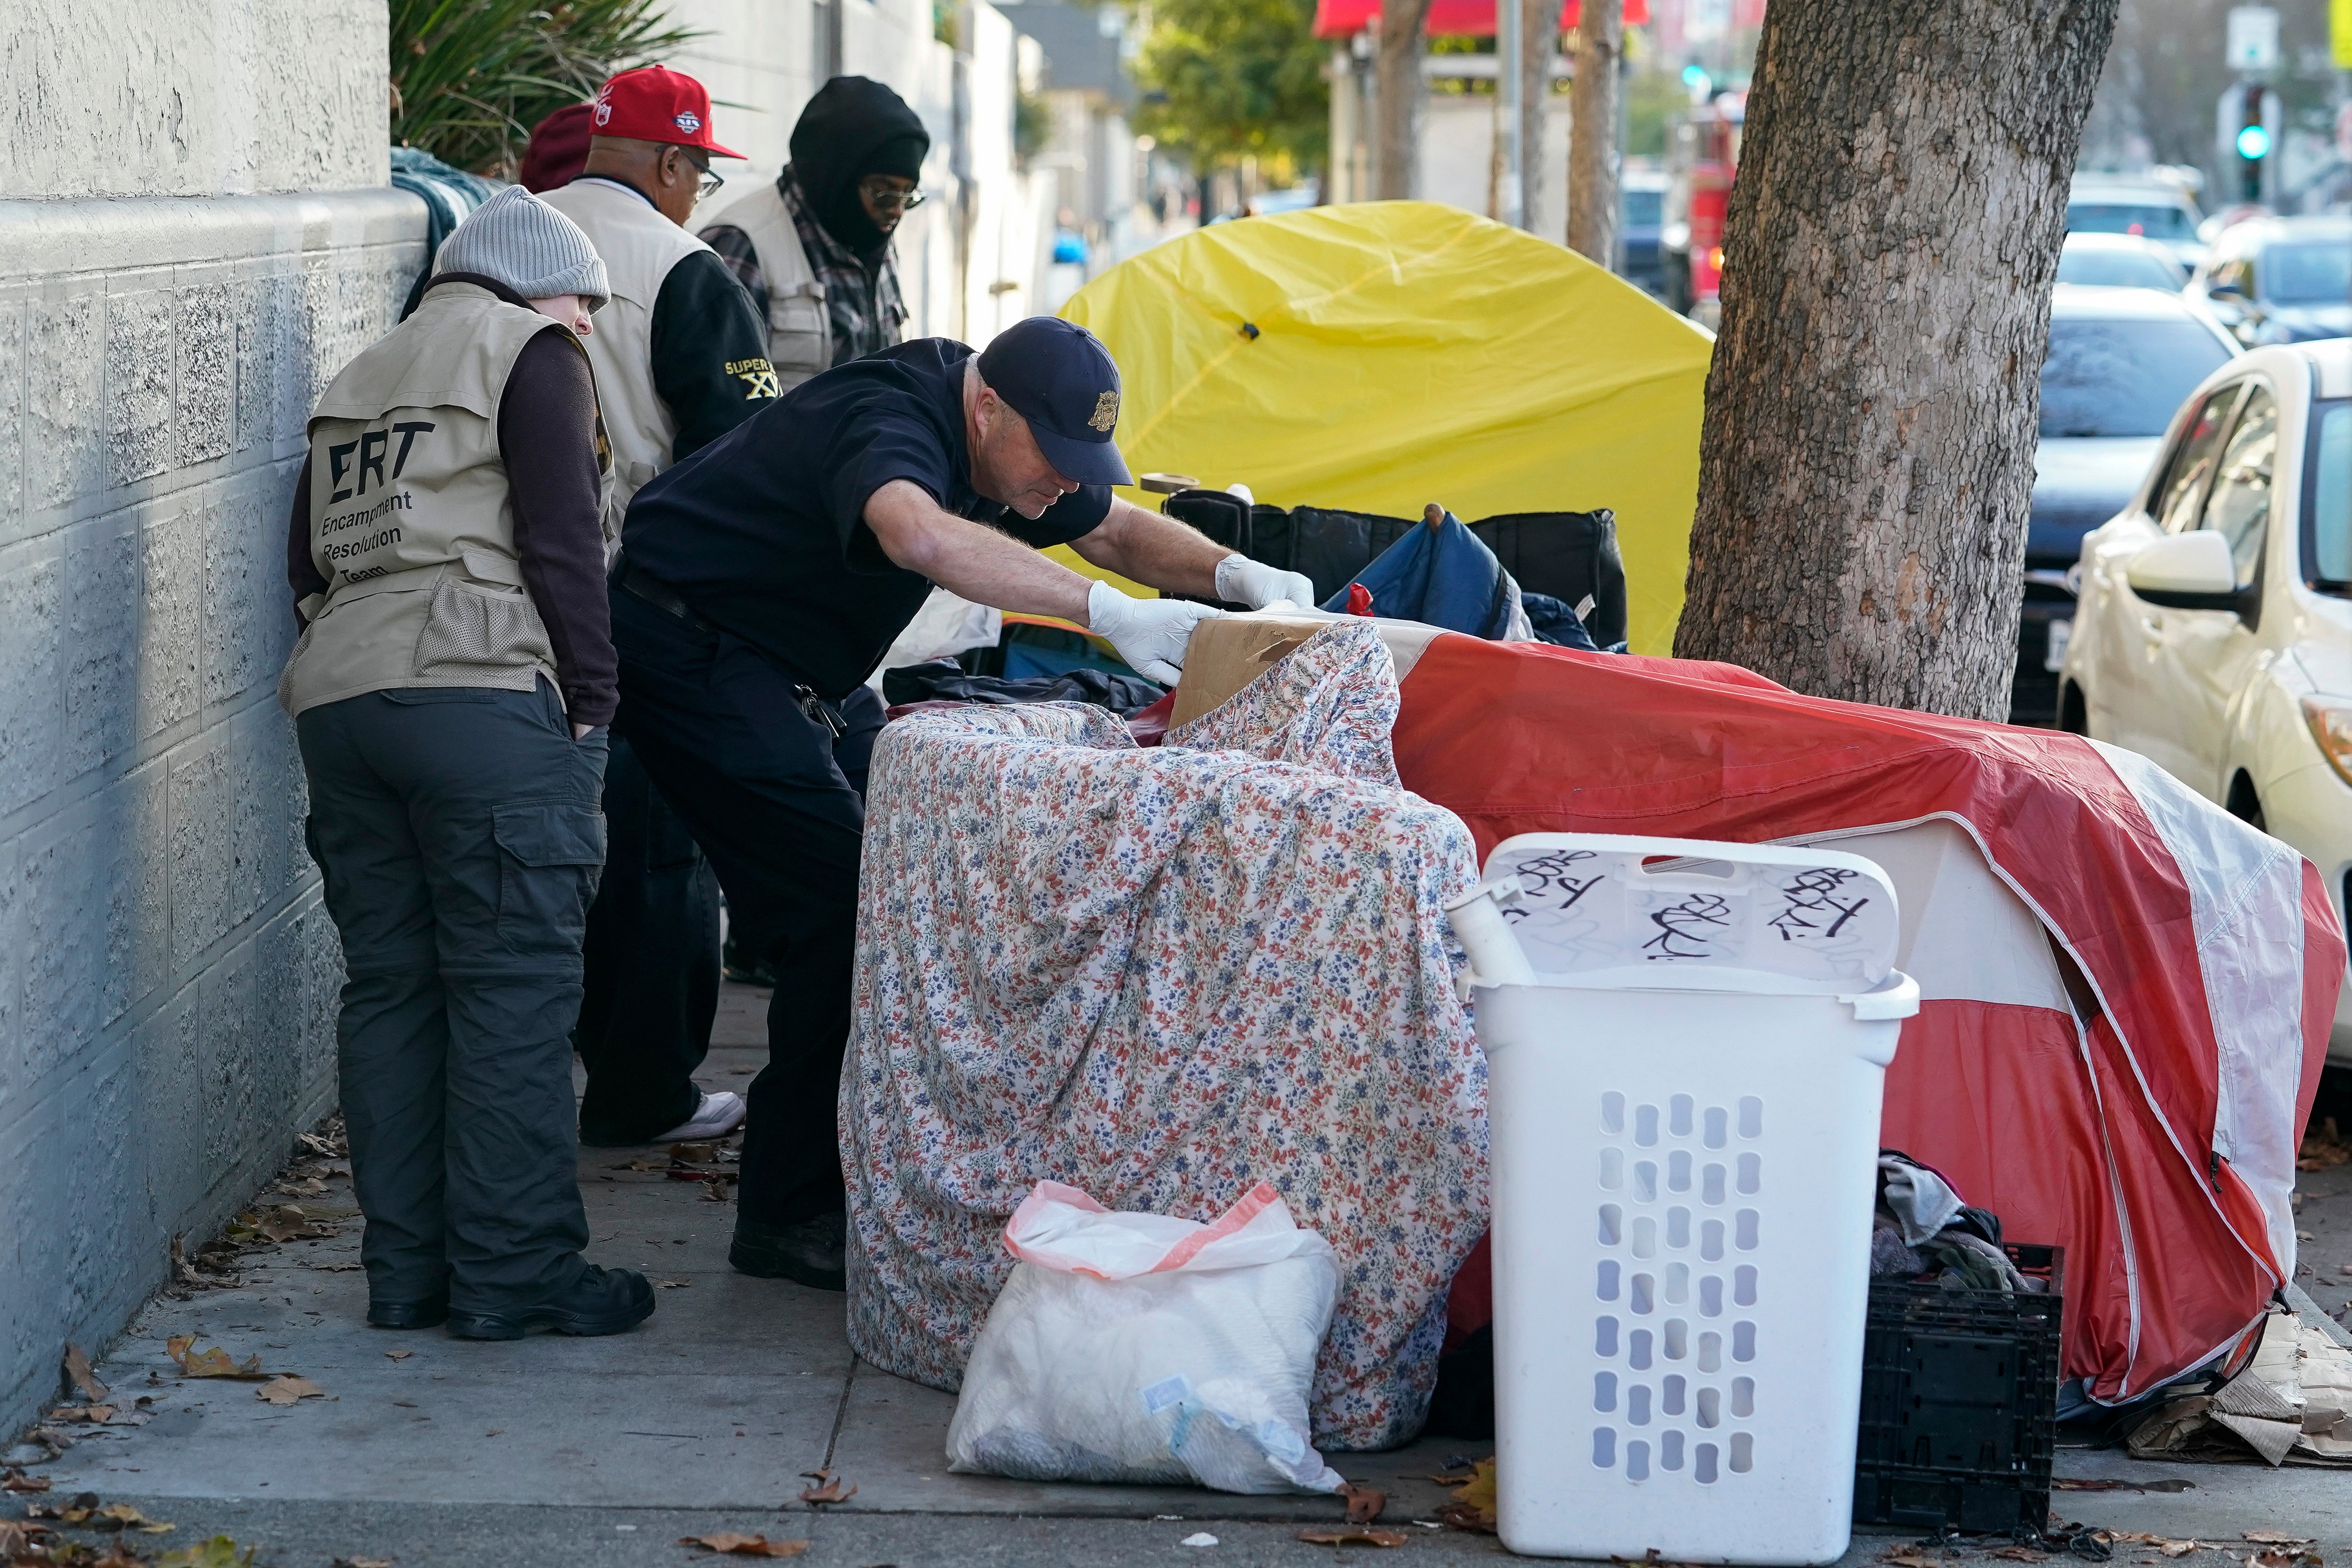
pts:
pixel 1570 556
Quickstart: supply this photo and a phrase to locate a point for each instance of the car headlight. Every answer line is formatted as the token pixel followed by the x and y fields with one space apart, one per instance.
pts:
pixel 2331 725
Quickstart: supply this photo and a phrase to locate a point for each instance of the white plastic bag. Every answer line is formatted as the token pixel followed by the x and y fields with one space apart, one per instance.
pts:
pixel 1142 1347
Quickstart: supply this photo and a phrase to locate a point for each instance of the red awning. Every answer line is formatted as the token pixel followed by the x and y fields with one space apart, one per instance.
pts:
pixel 1471 18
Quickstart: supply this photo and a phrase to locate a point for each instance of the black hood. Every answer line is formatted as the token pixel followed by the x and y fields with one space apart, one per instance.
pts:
pixel 854 126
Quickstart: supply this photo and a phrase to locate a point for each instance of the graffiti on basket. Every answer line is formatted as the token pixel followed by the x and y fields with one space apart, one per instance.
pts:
pixel 1581 908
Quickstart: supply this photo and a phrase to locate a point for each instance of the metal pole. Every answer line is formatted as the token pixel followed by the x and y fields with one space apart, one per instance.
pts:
pixel 1510 45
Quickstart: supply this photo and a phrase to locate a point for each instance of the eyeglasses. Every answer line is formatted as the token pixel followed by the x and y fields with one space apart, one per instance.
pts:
pixel 888 198
pixel 711 182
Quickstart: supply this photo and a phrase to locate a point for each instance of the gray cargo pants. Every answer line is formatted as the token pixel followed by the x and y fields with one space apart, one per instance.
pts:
pixel 459 834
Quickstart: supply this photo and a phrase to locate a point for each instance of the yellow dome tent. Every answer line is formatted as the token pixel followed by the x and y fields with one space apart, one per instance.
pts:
pixel 1382 355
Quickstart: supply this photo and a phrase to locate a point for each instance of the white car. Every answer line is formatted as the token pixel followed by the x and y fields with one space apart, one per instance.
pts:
pixel 2214 629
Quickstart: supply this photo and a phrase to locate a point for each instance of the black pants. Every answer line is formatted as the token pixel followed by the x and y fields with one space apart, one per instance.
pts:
pixel 458 833
pixel 652 965
pixel 777 804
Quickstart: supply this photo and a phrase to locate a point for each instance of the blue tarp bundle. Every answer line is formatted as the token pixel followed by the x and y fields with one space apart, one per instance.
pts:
pixel 1444 576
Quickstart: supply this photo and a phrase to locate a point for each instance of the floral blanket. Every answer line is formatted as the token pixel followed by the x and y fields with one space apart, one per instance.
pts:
pixel 1164 976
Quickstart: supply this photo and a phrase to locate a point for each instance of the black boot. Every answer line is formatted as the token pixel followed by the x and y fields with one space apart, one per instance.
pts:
pixel 807 1251
pixel 601 1301
pixel 424 1314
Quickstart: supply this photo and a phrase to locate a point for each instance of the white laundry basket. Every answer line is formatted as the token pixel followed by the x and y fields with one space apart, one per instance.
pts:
pixel 1685 1046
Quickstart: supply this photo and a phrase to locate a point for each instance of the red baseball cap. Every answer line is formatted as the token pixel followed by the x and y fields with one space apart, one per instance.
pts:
pixel 655 103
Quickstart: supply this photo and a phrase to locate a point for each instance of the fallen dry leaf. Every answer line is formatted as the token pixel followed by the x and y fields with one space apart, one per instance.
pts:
pixel 2018 1554
pixel 638 1165
pixel 1909 1557
pixel 214 1362
pixel 2283 1557
pixel 75 1510
pixel 78 1371
pixel 336 1268
pixel 672 1284
pixel 123 1516
pixel 362 1563
pixel 17 1540
pixel 695 1154
pixel 832 1491
pixel 1354 1535
pixel 220 1552
pixel 1473 1507
pixel 716 1193
pixel 2275 1538
pixel 398 1355
pixel 745 1545
pixel 1364 1503
pixel 16 1480
pixel 289 1389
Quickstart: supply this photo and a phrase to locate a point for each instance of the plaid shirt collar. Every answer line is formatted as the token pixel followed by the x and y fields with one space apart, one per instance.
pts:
pixel 865 308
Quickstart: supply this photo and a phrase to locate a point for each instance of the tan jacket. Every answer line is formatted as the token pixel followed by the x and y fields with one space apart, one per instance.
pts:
pixel 411 522
pixel 639 247
pixel 799 334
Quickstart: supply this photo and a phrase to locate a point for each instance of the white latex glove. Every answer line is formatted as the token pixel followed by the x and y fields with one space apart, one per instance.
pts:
pixel 1149 633
pixel 1243 580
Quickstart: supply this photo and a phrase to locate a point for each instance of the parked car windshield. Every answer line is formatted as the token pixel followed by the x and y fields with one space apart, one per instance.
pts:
pixel 2120 269
pixel 2306 274
pixel 2156 220
pixel 2330 494
pixel 2122 378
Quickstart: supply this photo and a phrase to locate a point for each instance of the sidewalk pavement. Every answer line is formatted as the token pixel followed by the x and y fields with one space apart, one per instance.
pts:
pixel 714 1415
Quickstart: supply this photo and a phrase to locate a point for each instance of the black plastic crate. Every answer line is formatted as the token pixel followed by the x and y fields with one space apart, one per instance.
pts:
pixel 1960 1391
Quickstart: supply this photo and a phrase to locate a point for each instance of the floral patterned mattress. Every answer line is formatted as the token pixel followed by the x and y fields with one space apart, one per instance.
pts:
pixel 1164 976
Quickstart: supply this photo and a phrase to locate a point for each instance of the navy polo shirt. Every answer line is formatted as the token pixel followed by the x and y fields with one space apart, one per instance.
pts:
pixel 763 534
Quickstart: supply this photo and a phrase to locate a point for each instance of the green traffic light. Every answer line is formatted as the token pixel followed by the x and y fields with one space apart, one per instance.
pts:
pixel 2253 142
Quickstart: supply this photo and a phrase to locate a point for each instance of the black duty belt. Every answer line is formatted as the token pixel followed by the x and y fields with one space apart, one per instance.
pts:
pixel 638 583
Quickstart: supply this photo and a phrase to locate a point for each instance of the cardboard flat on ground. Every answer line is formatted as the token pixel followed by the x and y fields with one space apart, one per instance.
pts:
pixel 565 1451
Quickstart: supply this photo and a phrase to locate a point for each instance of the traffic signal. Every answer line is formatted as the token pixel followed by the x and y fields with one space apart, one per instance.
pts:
pixel 2249 131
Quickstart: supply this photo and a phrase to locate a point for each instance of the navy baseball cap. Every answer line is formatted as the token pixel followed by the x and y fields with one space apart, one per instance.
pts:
pixel 1058 377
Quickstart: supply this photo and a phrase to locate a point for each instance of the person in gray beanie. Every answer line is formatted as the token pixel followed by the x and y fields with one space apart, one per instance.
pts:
pixel 529 247
pixel 451 690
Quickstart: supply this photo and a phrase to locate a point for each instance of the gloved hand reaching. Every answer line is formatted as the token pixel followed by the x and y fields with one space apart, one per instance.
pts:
pixel 1149 633
pixel 1253 583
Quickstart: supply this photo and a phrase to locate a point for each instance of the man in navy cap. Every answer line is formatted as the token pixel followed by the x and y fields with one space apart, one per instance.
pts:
pixel 760 583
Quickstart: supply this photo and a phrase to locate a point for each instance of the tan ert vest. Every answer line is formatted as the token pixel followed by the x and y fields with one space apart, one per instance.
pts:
pixel 639 247
pixel 411 522
pixel 800 333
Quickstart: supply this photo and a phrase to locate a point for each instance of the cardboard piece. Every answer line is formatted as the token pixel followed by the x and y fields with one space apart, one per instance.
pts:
pixel 1229 652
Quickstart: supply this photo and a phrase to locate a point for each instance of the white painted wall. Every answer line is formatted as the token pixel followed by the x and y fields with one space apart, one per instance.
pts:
pixel 180 98
pixel 167 975
pixel 1458 148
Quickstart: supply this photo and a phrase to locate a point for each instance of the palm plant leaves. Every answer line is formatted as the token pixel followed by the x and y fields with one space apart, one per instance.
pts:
pixel 471 78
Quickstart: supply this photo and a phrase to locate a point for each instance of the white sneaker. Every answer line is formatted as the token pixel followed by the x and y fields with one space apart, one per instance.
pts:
pixel 718 1114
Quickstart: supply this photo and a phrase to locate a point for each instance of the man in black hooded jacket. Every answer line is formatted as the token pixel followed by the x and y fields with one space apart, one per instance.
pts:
pixel 813 249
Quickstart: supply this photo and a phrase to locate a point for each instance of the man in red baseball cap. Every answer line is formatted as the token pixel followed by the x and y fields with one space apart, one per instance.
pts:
pixel 681 358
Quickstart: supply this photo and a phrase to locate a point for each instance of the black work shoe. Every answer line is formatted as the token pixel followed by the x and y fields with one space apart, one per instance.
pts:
pixel 424 1314
pixel 601 1301
pixel 808 1251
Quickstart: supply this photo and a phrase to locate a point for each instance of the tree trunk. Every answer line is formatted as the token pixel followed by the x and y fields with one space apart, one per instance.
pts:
pixel 1538 43
pixel 1867 465
pixel 1592 129
pixel 1399 95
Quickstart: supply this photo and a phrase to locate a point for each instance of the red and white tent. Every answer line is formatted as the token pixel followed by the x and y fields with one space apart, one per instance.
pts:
pixel 2127 991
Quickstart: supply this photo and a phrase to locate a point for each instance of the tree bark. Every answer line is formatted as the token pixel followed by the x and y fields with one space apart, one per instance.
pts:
pixel 1400 92
pixel 1592 129
pixel 1538 43
pixel 1866 464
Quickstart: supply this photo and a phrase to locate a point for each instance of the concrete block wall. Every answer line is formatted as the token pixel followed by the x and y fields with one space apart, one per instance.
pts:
pixel 167 974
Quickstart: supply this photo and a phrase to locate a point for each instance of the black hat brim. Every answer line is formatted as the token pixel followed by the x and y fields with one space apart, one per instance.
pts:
pixel 1087 462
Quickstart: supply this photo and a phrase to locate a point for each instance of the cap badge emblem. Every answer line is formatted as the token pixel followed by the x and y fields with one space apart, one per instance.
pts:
pixel 603 115
pixel 687 121
pixel 1105 414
